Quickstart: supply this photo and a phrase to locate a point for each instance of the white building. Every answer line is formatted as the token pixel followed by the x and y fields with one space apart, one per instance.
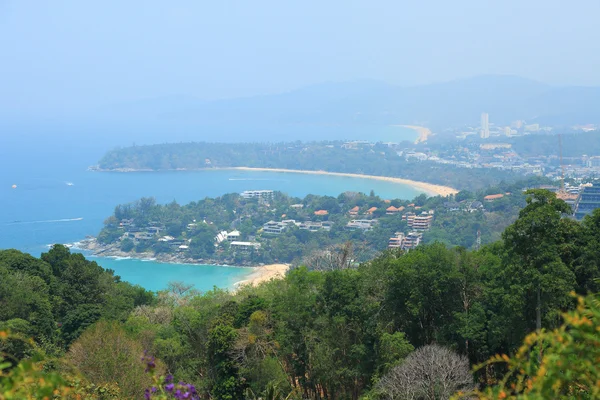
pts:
pixel 257 194
pixel 221 237
pixel 274 228
pixel 363 224
pixel 485 126
pixel 245 246
pixel 412 240
pixel 233 236
pixel 396 241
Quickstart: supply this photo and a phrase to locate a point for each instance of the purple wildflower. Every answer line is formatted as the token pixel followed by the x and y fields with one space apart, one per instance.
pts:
pixel 169 387
pixel 147 394
pixel 169 378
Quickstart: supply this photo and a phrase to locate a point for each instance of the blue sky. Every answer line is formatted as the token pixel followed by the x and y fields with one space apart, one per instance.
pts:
pixel 58 55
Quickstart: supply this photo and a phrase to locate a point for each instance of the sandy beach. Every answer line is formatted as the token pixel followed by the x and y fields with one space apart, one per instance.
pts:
pixel 424 133
pixel 265 274
pixel 429 188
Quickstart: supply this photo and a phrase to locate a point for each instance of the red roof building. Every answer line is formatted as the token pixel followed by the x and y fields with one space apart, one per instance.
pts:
pixel 492 197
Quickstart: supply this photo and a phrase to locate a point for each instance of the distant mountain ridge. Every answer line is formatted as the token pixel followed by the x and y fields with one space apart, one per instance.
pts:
pixel 505 98
pixel 343 110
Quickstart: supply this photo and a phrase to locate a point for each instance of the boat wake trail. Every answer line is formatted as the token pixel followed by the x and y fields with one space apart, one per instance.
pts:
pixel 49 221
pixel 258 179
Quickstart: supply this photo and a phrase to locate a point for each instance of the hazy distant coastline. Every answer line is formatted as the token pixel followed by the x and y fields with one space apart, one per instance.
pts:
pixel 423 132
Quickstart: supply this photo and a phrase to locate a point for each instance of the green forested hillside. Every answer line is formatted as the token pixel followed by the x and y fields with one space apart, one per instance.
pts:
pixel 59 295
pixel 456 221
pixel 370 159
pixel 353 333
pixel 573 144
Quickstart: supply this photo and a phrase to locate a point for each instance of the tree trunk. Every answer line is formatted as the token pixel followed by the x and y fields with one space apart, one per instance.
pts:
pixel 538 320
pixel 538 311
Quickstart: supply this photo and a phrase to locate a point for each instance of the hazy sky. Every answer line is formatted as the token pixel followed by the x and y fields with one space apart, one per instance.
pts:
pixel 61 54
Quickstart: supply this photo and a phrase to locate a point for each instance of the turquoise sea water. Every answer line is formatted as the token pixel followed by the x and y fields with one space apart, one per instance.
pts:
pixel 58 201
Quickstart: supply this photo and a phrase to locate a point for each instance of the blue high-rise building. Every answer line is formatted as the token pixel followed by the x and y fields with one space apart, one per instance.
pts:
pixel 588 201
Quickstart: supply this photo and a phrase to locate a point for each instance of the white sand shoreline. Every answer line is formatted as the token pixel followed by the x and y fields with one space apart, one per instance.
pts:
pixel 423 132
pixel 264 273
pixel 429 188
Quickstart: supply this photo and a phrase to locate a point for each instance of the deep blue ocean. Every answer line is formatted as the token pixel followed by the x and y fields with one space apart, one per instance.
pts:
pixel 57 200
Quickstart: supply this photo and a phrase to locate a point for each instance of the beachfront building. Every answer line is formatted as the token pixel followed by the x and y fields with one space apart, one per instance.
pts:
pixel 409 217
pixel 154 230
pixel 274 228
pixel 321 213
pixel 234 236
pixel 245 247
pixel 475 206
pixel 371 210
pixel 314 226
pixel 491 197
pixel 485 126
pixel 137 236
pixel 412 240
pixel 361 224
pixel 257 194
pixel 588 201
pixel 126 222
pixel 354 211
pixel 421 222
pixel 391 210
pixel 221 237
pixel 396 241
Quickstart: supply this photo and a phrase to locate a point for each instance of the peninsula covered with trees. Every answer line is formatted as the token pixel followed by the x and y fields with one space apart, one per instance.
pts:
pixel 510 320
pixel 377 159
pixel 264 227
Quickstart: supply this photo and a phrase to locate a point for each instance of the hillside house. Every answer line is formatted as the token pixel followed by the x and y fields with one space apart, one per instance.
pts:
pixel 274 228
pixel 234 236
pixel 421 222
pixel 412 240
pixel 257 194
pixel 396 241
pixel 245 247
pixel 391 210
pixel 221 237
pixel 361 224
pixel 491 197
